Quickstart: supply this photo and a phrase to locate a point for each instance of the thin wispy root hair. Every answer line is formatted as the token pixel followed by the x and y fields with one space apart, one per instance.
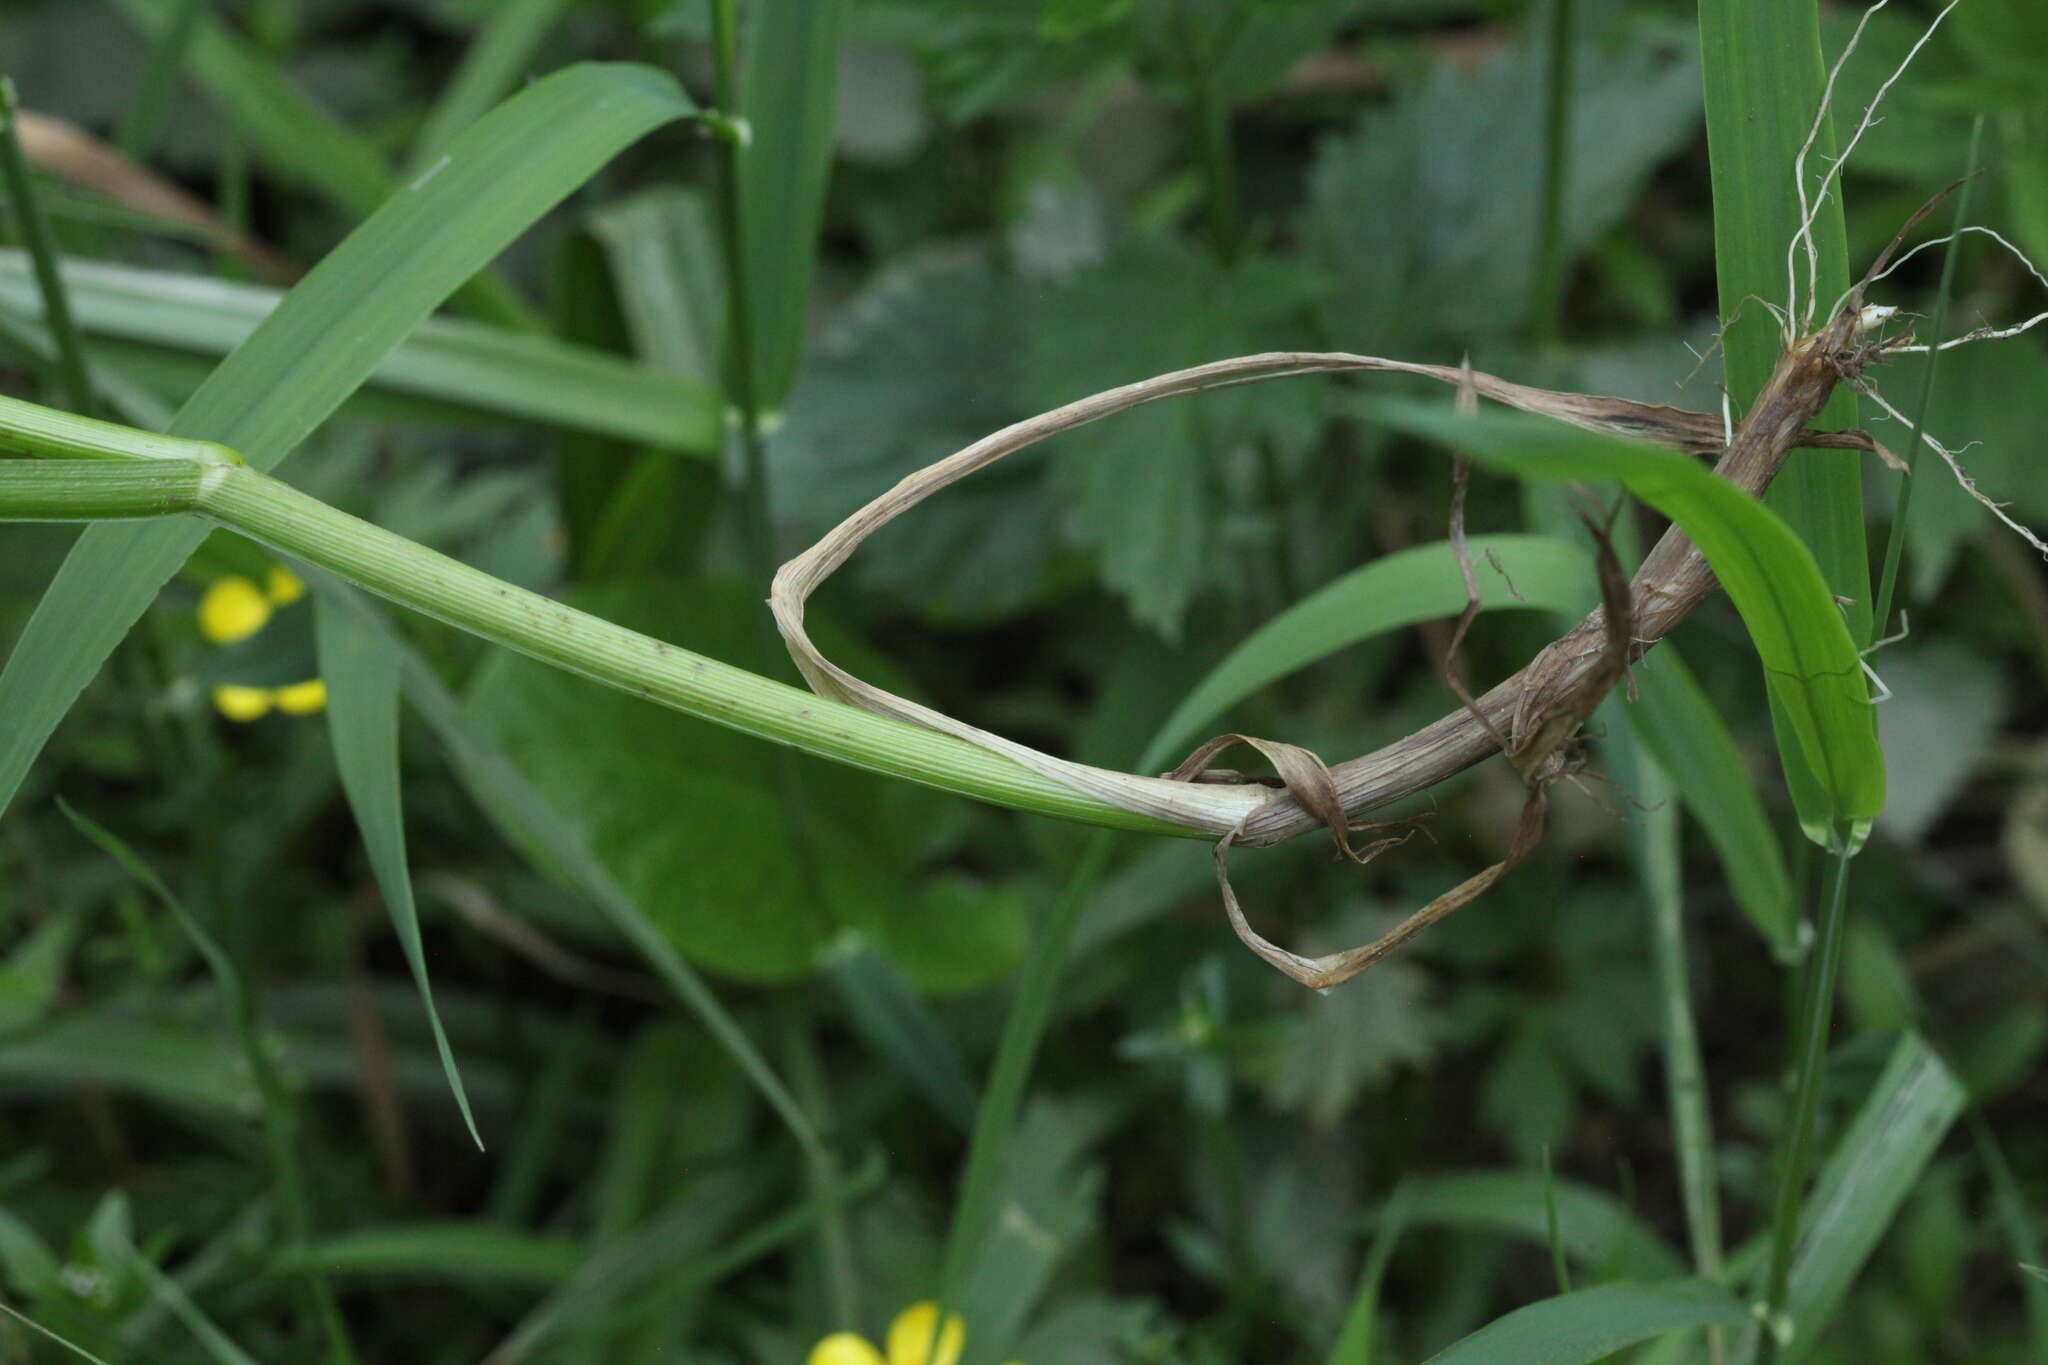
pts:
pixel 1534 718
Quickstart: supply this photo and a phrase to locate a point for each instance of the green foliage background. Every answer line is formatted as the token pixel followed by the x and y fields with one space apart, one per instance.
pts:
pixel 953 215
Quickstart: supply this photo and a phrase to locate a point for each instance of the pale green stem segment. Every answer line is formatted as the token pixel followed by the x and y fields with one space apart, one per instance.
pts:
pixel 133 474
pixel 51 434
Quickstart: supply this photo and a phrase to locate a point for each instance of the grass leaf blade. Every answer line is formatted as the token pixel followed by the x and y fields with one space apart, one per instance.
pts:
pixel 325 337
pixel 1875 1165
pixel 792 104
pixel 474 365
pixel 1416 584
pixel 1762 69
pixel 1577 1328
pixel 1678 725
pixel 1810 660
pixel 360 669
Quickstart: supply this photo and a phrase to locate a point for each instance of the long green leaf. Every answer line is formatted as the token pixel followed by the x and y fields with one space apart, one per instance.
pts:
pixel 1761 66
pixel 896 1022
pixel 1673 718
pixel 2021 1238
pixel 11 1311
pixel 360 668
pixel 27 212
pixel 1416 584
pixel 792 102
pixel 995 1120
pixel 219 1347
pixel 1654 841
pixel 1356 1339
pixel 1875 1165
pixel 1594 1227
pixel 451 1251
pixel 299 140
pixel 1810 661
pixel 662 244
pixel 477 365
pixel 1573 1329
pixel 513 798
pixel 327 335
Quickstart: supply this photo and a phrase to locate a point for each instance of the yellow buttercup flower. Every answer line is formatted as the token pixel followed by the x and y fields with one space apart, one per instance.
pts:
pixel 845 1348
pixel 234 608
pixel 282 586
pixel 909 1338
pixel 301 699
pixel 242 703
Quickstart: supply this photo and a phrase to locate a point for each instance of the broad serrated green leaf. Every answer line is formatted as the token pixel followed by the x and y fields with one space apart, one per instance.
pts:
pixel 1582 1327
pixel 529 821
pixel 678 809
pixel 360 670
pixel 1810 662
pixel 1048 1191
pixel 1425 215
pixel 1421 583
pixel 923 361
pixel 322 341
pixel 1146 484
pixel 980 57
pixel 1350 1043
pixel 475 366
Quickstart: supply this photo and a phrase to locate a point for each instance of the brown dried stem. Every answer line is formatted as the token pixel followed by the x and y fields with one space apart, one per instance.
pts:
pixel 1533 716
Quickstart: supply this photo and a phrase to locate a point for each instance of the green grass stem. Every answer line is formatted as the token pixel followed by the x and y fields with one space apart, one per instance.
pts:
pixel 469 599
pixel 35 236
pixel 1811 1047
pixel 974 1212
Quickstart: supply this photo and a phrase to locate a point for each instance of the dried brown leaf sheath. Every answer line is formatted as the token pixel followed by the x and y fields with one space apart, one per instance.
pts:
pixel 1538 709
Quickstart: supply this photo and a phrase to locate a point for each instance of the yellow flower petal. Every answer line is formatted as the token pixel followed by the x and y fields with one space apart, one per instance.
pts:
pixel 302 699
pixel 232 609
pixel 242 703
pixel 844 1348
pixel 911 1333
pixel 283 586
